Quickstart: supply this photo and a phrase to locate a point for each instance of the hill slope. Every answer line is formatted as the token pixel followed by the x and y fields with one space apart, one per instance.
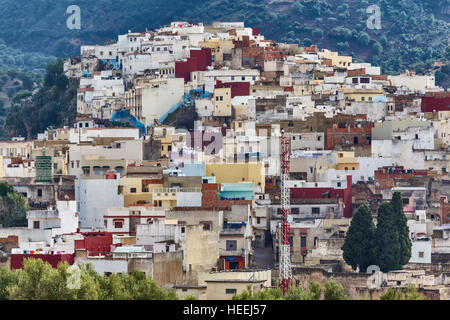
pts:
pixel 413 32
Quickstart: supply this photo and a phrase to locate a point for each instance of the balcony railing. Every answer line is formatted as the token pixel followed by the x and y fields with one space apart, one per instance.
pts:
pixel 175 190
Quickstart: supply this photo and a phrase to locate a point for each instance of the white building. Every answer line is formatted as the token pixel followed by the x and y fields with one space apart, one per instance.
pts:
pixel 93 196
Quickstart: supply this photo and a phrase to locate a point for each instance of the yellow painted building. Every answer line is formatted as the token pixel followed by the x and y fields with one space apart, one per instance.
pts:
pixel 238 172
pixel 347 161
pixel 218 48
pixel 336 59
pixel 222 102
pixel 164 134
pixel 365 95
pixel 138 190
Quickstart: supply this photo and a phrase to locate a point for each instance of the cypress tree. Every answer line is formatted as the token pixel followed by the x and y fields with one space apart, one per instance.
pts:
pixel 387 240
pixel 401 223
pixel 358 245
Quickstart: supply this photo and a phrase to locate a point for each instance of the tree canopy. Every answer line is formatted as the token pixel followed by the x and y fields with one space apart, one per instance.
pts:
pixel 358 248
pixel 39 281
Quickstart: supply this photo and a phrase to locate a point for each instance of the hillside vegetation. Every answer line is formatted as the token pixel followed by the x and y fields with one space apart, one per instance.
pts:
pixel 413 32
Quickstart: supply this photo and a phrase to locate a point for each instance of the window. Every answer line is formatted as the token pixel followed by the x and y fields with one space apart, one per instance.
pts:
pixel 315 210
pixel 39 192
pixel 35 224
pixel 421 255
pixel 295 210
pixel 169 148
pixel 232 78
pixel 133 190
pixel 363 98
pixel 230 291
pixel 339 184
pixel 243 78
pixel 105 223
pixel 364 80
pixel 207 225
pixel 231 245
pixel 183 229
pixel 118 224
pixel 355 80
pixel 258 220
pixel 302 241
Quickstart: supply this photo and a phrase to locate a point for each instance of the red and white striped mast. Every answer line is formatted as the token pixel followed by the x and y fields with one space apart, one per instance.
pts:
pixel 285 272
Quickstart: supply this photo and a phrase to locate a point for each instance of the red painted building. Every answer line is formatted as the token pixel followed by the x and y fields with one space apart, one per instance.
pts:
pixel 445 210
pixel 238 89
pixel 385 176
pixel 198 61
pixel 350 136
pixel 435 104
pixel 95 243
pixel 53 259
pixel 318 193
pixel 233 262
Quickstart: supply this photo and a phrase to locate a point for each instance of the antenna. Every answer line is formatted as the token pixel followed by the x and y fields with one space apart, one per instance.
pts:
pixel 285 272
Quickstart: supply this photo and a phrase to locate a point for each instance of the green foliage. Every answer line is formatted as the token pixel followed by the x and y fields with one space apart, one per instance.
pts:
pixel 13 209
pixel 401 223
pixel 25 44
pixel 314 292
pixel 5 188
pixel 53 104
pixel 264 294
pixel 387 240
pixel 411 293
pixel 7 279
pixel 334 291
pixel 359 241
pixel 39 281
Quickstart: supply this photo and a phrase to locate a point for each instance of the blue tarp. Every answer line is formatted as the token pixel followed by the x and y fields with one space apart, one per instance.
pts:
pixel 195 94
pixel 125 115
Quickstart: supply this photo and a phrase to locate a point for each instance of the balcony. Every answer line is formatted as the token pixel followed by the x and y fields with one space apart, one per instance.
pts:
pixel 233 231
pixel 42 214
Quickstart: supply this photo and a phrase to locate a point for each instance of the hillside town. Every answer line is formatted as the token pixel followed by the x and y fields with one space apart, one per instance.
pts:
pixel 173 165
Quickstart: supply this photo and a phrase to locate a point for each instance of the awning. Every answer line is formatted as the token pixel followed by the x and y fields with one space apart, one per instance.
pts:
pixel 85 167
pixel 119 167
pixel 96 167
pixel 105 167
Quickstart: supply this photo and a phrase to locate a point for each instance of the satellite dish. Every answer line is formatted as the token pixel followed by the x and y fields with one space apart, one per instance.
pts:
pixel 289 218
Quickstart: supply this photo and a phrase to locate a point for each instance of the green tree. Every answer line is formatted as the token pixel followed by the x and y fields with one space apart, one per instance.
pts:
pixel 377 48
pixel 7 279
pixel 5 188
pixel 334 291
pixel 387 240
pixel 401 223
pixel 359 240
pixel 14 207
pixel 411 293
pixel 264 294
